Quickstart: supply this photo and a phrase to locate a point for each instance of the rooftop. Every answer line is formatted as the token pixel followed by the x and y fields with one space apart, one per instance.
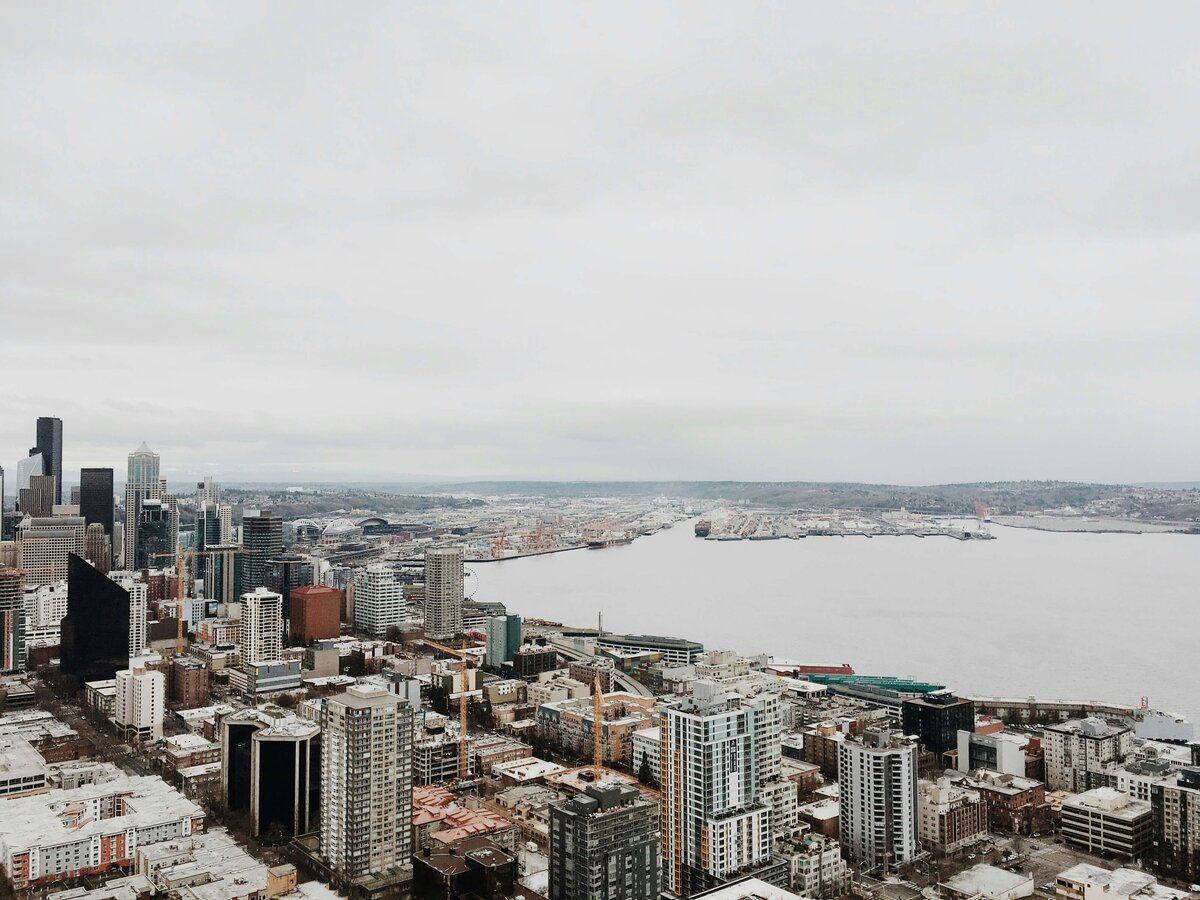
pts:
pixel 987 881
pixel 747 889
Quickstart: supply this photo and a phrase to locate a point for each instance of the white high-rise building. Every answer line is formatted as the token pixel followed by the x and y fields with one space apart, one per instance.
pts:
pixel 44 611
pixel 714 819
pixel 443 591
pixel 45 544
pixel 378 600
pixel 140 701
pixel 139 593
pixel 366 789
pixel 877 775
pixel 262 627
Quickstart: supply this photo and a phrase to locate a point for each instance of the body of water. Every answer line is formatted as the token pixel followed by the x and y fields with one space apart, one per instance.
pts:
pixel 1073 616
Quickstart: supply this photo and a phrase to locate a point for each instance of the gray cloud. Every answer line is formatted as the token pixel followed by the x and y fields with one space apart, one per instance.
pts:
pixel 665 240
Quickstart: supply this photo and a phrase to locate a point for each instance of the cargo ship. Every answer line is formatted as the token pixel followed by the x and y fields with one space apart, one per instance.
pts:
pixel 703 527
pixel 609 539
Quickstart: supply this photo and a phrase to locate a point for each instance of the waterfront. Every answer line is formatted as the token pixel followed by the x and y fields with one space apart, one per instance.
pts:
pixel 1076 616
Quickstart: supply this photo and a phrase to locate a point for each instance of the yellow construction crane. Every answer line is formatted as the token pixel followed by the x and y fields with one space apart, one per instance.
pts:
pixel 468 662
pixel 180 556
pixel 597 728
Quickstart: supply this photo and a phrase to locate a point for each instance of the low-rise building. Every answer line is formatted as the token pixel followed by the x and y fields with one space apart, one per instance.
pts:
pixel 1104 820
pixel 22 769
pixel 588 670
pixel 567 726
pixel 88 830
pixel 998 751
pixel 1088 882
pixel 984 882
pixel 555 689
pixel 182 751
pixel 815 865
pixel 1014 804
pixel 441 820
pixel 949 817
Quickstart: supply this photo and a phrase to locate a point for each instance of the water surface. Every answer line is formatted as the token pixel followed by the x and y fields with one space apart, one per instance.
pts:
pixel 1078 616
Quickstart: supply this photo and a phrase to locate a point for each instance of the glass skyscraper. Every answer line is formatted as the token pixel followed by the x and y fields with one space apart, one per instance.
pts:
pixel 49 444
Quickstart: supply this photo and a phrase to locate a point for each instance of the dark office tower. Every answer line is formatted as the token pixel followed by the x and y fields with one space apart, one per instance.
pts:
pixel 95 630
pixel 208 526
pixel 262 536
pixel 605 844
pixel 286 571
pixel 49 444
pixel 154 547
pixel 936 719
pixel 96 497
pixel 12 619
pixel 271 763
pixel 37 500
pixel 222 566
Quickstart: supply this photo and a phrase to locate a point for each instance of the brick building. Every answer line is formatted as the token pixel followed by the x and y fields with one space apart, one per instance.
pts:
pixel 314 614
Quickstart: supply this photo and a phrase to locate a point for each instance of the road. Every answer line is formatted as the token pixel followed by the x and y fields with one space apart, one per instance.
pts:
pixel 623 681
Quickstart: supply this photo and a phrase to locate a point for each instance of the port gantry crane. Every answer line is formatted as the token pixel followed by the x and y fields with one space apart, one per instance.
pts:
pixel 468 662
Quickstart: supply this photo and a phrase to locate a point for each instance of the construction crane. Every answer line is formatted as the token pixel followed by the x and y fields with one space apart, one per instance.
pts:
pixel 597 728
pixel 468 662
pixel 180 556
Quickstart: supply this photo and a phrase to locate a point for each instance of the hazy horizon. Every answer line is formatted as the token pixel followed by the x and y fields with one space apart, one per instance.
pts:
pixel 924 244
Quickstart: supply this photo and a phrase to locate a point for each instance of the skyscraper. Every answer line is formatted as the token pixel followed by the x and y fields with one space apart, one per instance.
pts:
pixel 31 465
pixel 366 800
pixel 95 630
pixel 214 525
pixel 604 845
pixel 443 591
pixel 262 627
pixel 46 544
pixel 2 537
pixel 141 484
pixel 378 599
pixel 503 639
pixel 96 547
pixel 877 774
pixel 286 571
pixel 96 497
pixel 152 536
pixel 208 491
pixel 222 571
pixel 715 822
pixel 49 444
pixel 37 499
pixel 262 536
pixel 12 620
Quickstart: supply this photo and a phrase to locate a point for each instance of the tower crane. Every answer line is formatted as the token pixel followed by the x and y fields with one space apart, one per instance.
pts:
pixel 468 662
pixel 597 728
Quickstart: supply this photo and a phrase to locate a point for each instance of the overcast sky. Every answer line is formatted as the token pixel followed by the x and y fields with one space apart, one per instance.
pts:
pixel 363 241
